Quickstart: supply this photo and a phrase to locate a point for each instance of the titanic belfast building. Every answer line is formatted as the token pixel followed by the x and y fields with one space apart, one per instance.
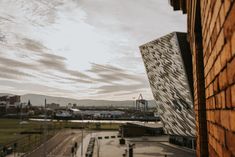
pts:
pixel 169 68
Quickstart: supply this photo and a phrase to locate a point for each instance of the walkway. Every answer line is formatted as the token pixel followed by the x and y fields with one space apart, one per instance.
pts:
pixel 144 147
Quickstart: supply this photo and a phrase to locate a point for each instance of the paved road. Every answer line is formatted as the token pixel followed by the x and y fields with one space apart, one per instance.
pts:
pixel 144 147
pixel 157 149
pixel 58 146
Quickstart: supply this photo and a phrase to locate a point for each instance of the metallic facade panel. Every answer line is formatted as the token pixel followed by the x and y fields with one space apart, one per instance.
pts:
pixel 169 71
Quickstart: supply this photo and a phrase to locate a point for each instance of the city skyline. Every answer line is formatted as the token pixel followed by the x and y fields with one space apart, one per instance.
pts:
pixel 80 49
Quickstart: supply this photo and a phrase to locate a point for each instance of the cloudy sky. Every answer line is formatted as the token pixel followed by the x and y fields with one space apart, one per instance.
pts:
pixel 80 48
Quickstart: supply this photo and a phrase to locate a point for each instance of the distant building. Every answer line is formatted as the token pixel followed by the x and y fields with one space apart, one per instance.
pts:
pixel 53 106
pixel 14 101
pixel 63 114
pixel 168 61
pixel 137 129
pixel 74 111
pixel 9 104
pixel 3 106
pixel 4 98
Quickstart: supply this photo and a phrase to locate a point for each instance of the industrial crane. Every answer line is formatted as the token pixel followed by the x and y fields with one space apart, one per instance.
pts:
pixel 141 103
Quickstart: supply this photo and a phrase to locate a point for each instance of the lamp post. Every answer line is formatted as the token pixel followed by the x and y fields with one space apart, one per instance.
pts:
pixel 98 147
pixel 44 131
pixel 131 146
pixel 82 137
pixel 134 102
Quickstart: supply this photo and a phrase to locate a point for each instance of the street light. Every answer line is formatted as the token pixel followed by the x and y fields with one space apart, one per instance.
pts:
pixel 44 131
pixel 131 146
pixel 82 137
pixel 134 102
pixel 98 147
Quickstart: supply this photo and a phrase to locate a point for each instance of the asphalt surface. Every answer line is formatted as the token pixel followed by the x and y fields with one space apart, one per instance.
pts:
pixel 58 146
pixel 144 147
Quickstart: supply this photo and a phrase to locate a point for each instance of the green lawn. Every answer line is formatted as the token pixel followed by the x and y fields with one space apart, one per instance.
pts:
pixel 11 132
pixel 11 129
pixel 103 126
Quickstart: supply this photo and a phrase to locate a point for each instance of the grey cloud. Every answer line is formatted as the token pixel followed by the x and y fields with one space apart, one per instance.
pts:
pixel 52 63
pixel 77 73
pixel 53 56
pixel 78 80
pixel 31 87
pixel 14 73
pixel 103 68
pixel 127 93
pixel 118 22
pixel 119 88
pixel 120 14
pixel 46 61
pixel 2 37
pixel 109 74
pixel 33 45
pixel 6 76
pixel 14 63
pixel 43 51
pixel 55 62
pixel 74 80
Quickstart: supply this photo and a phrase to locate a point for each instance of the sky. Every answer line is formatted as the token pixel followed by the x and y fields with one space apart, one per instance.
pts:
pixel 83 49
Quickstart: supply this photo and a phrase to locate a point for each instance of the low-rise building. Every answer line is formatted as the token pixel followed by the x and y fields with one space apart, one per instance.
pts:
pixel 53 106
pixel 9 104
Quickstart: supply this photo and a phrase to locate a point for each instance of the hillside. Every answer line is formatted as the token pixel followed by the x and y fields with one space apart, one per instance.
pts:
pixel 38 100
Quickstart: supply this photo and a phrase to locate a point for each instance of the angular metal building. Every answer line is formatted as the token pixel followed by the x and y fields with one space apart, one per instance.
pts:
pixel 169 68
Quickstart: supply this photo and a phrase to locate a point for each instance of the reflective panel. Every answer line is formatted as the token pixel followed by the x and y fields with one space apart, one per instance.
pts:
pixel 169 69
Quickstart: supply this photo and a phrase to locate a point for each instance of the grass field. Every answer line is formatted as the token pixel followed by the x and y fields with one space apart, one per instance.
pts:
pixel 29 136
pixel 10 129
pixel 11 132
pixel 103 126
